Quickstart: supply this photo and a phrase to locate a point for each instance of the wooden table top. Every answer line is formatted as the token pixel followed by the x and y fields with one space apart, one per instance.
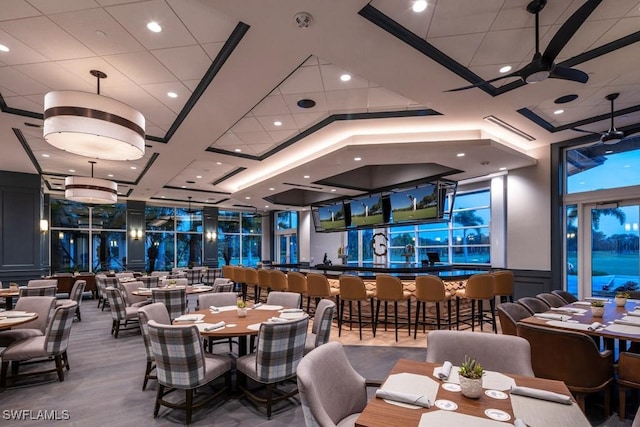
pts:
pixel 9 322
pixel 231 318
pixel 8 292
pixel 380 413
pixel 611 313
pixel 190 290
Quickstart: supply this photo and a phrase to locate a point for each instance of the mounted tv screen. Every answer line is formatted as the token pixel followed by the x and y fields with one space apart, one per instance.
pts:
pixel 415 205
pixel 333 217
pixel 368 211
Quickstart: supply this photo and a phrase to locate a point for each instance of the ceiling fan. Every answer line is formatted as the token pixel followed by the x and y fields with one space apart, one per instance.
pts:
pixel 542 66
pixel 612 136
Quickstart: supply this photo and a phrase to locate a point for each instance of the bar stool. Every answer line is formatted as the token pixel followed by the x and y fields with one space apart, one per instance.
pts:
pixel 504 285
pixel 297 282
pixel 238 278
pixel 479 287
pixel 264 282
pixel 278 281
pixel 251 279
pixel 352 288
pixel 227 271
pixel 390 289
pixel 431 289
pixel 318 287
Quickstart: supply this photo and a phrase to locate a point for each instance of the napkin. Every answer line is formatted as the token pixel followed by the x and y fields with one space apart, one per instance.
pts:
pixel 410 398
pixel 445 371
pixel 214 308
pixel 519 423
pixel 215 326
pixel 257 305
pixel 582 303
pixel 189 318
pixel 291 310
pixel 635 312
pixel 626 322
pixel 568 310
pixel 278 320
pixel 541 394
pixel 595 325
pixel 552 316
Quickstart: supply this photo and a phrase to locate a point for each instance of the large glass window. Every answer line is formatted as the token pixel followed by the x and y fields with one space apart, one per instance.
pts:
pixel 599 167
pixel 239 238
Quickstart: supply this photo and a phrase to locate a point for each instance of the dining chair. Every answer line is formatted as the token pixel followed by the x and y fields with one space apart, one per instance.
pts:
pixel 285 299
pixel 509 314
pixel 318 287
pixel 102 283
pixel 264 282
pixel 321 327
pixel 90 279
pixel 297 283
pixel 121 315
pixel 280 347
pixel 628 378
pixel 572 357
pixel 533 304
pixel 52 346
pixel 159 314
pixel 431 289
pixel 75 295
pixel 503 353
pixel 568 297
pixel 42 306
pixel 160 273
pixel 125 275
pixel 390 289
pixel 39 283
pixel 353 289
pixel 479 288
pixel 175 299
pixel 552 300
pixel 130 299
pixel 278 281
pixel 150 281
pixel 181 364
pixel 222 285
pixel 211 274
pixel 40 291
pixel 194 276
pixel 332 393
pixel 218 299
pixel 504 285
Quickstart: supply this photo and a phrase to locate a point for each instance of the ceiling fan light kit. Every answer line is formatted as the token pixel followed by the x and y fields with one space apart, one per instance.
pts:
pixel 93 125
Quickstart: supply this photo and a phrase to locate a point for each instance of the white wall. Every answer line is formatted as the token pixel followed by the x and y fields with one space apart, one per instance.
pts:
pixel 529 215
pixel 321 243
pixel 304 235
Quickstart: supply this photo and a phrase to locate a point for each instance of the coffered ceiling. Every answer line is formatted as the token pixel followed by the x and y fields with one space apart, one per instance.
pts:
pixel 237 133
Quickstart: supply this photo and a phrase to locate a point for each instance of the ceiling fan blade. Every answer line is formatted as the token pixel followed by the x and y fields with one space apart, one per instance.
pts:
pixel 566 73
pixel 568 29
pixel 514 74
pixel 586 131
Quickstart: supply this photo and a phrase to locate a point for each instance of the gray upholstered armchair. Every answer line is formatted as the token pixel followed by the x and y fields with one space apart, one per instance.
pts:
pixel 321 328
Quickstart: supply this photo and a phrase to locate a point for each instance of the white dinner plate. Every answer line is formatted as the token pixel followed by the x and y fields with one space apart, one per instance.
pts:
pixel 446 405
pixel 497 414
pixel 496 394
pixel 451 387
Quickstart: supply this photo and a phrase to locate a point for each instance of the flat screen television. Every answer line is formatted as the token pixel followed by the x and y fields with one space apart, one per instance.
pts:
pixel 333 217
pixel 415 205
pixel 433 257
pixel 368 211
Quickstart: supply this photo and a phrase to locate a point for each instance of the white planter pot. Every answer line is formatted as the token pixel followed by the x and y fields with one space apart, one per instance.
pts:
pixel 471 388
pixel 620 302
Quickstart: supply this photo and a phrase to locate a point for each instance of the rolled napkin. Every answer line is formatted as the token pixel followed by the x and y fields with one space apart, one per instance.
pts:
pixel 410 398
pixel 291 310
pixel 626 322
pixel 541 394
pixel 215 326
pixel 635 312
pixel 214 308
pixel 582 303
pixel 445 371
pixel 552 316
pixel 594 326
pixel 519 423
pixel 257 305
pixel 568 310
pixel 189 318
pixel 278 320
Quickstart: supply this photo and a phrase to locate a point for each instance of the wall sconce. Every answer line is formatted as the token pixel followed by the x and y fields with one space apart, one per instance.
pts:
pixel 211 236
pixel 44 225
pixel 136 233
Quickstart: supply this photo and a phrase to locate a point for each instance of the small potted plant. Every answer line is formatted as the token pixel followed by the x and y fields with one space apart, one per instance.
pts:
pixel 597 308
pixel 242 308
pixel 471 378
pixel 621 298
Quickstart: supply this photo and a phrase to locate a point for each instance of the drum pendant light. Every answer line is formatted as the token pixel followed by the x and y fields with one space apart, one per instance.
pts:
pixel 95 191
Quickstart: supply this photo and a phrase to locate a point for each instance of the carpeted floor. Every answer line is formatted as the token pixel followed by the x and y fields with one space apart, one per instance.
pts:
pixel 104 384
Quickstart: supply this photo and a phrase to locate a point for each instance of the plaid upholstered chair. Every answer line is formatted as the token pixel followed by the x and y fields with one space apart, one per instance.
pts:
pixel 43 306
pixel 222 285
pixel 75 295
pixel 150 281
pixel 158 313
pixel 194 276
pixel 40 291
pixel 52 346
pixel 131 300
pixel 280 349
pixel 102 283
pixel 40 283
pixel 119 311
pixel 321 328
pixel 181 364
pixel 175 299
pixel 285 299
pixel 210 275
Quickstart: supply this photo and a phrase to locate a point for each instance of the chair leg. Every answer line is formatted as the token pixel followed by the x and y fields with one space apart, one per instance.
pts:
pixel 351 315
pixel 409 315
pixel 438 314
pixel 59 367
pixel 374 326
pixel 340 314
pixel 308 303
pixel 473 314
pixel 3 374
pixel 189 404
pixel 458 313
pixel 415 326
pixel 492 306
pixel 395 317
pixel 78 314
pixel 269 398
pixel 622 399
pixel 147 373
pixel 359 317
pixel 449 312
pixel 158 399
pixel 117 327
pixel 65 359
pixel 480 314
pixel 376 318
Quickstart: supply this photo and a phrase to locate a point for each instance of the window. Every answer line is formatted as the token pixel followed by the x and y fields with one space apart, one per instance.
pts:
pixel 239 238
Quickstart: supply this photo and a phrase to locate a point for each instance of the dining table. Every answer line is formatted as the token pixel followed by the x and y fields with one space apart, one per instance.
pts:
pixel 11 318
pixel 617 322
pixel 236 326
pixel 496 406
pixel 9 294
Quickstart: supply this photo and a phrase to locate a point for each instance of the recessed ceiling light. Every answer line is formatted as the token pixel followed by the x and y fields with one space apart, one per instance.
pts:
pixel 608 152
pixel 154 26
pixel 558 111
pixel 271 188
pixel 419 6
pixel 333 190
pixel 72 170
pixel 218 163
pixel 357 159
pixel 172 94
pixel 566 98
pixel 266 206
pixel 505 69
pixel 110 175
pixel 199 176
pixel 237 150
pixel 345 77
pixel 503 168
pixel 248 198
pixel 134 167
pixel 306 177
pixel 3 48
pixel 277 123
pixel 46 155
pixel 460 155
pixel 306 103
